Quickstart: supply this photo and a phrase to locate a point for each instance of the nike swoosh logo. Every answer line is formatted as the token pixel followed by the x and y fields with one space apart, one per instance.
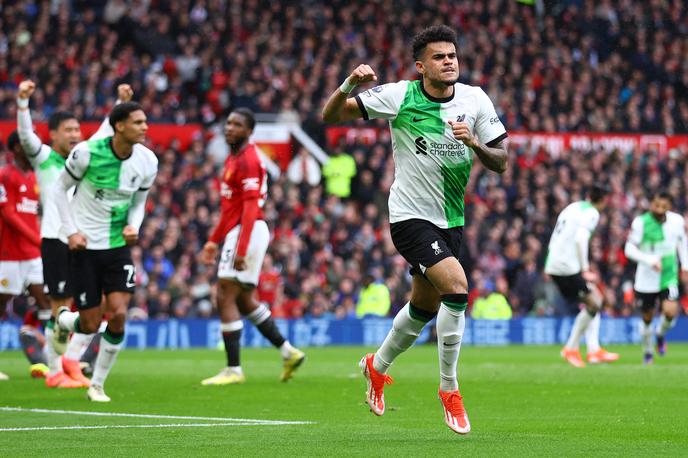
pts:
pixel 414 119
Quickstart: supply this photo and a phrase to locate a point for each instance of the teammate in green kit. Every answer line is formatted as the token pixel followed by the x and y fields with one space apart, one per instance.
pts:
pixel 438 125
pixel 48 162
pixel 656 242
pixel 112 176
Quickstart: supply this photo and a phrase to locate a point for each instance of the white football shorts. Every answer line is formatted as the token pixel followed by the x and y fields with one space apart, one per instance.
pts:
pixel 16 276
pixel 257 246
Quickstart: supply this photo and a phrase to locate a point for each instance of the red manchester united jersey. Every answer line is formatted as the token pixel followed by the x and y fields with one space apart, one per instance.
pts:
pixel 244 177
pixel 19 230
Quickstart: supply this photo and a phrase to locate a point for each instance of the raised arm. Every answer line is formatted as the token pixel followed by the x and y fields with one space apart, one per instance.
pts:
pixel 28 138
pixel 124 94
pixel 339 106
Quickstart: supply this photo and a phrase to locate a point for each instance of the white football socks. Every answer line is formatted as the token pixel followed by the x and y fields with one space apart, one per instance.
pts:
pixel 592 335
pixel 579 326
pixel 664 325
pixel 450 327
pixel 54 360
pixel 67 320
pixel 405 330
pixel 77 345
pixel 104 361
pixel 646 334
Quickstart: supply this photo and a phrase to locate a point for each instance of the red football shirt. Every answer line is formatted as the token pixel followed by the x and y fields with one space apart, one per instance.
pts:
pixel 244 178
pixel 20 232
pixel 268 282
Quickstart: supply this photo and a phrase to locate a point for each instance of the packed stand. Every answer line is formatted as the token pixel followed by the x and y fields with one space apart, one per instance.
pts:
pixel 581 65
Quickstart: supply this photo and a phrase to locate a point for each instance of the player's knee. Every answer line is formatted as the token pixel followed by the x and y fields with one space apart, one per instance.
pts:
pixel 670 314
pixel 89 325
pixel 117 320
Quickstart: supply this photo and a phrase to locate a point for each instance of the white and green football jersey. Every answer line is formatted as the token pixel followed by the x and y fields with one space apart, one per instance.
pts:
pixel 651 241
pixel 47 164
pixel 563 258
pixel 107 185
pixel 431 166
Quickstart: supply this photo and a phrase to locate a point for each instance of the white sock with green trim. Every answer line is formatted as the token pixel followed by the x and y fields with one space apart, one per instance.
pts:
pixel 592 335
pixel 77 345
pixel 646 334
pixel 664 325
pixel 582 322
pixel 450 326
pixel 54 360
pixel 406 328
pixel 110 345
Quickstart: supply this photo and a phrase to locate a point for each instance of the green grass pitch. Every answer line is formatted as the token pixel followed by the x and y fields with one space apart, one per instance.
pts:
pixel 522 401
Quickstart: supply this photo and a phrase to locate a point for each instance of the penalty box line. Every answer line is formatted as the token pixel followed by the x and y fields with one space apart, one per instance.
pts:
pixel 222 421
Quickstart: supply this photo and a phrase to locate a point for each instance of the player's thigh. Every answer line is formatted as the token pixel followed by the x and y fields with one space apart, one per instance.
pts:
pixel 593 298
pixel 36 291
pixel 423 294
pixel 86 275
pixel 55 256
pixel 669 301
pixel 448 276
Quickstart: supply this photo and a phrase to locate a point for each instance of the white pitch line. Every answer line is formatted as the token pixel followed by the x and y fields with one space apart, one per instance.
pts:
pixel 169 417
pixel 173 425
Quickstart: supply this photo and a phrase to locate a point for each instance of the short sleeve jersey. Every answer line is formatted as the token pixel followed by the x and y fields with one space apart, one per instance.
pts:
pixel 106 188
pixel 660 239
pixel 18 190
pixel 244 177
pixel 431 166
pixel 562 255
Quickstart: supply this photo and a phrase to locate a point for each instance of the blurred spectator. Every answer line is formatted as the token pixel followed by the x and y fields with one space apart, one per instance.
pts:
pixel 374 298
pixel 304 169
pixel 494 305
pixel 338 172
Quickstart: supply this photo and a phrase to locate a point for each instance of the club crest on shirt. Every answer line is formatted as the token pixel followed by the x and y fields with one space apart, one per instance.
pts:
pixel 461 117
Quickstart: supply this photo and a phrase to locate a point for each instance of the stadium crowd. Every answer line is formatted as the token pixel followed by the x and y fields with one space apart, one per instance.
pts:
pixel 581 65
pixel 590 66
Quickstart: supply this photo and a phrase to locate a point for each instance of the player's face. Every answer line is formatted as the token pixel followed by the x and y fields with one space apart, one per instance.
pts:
pixel 658 207
pixel 66 136
pixel 439 63
pixel 20 157
pixel 134 128
pixel 236 129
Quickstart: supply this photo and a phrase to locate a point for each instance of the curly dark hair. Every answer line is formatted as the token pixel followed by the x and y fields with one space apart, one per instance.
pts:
pixel 433 35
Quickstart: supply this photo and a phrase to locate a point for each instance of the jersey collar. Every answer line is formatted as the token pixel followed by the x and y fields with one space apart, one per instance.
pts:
pixel 435 99
pixel 112 148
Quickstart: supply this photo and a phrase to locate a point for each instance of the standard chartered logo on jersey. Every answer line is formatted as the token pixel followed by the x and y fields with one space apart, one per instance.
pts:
pixel 439 149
